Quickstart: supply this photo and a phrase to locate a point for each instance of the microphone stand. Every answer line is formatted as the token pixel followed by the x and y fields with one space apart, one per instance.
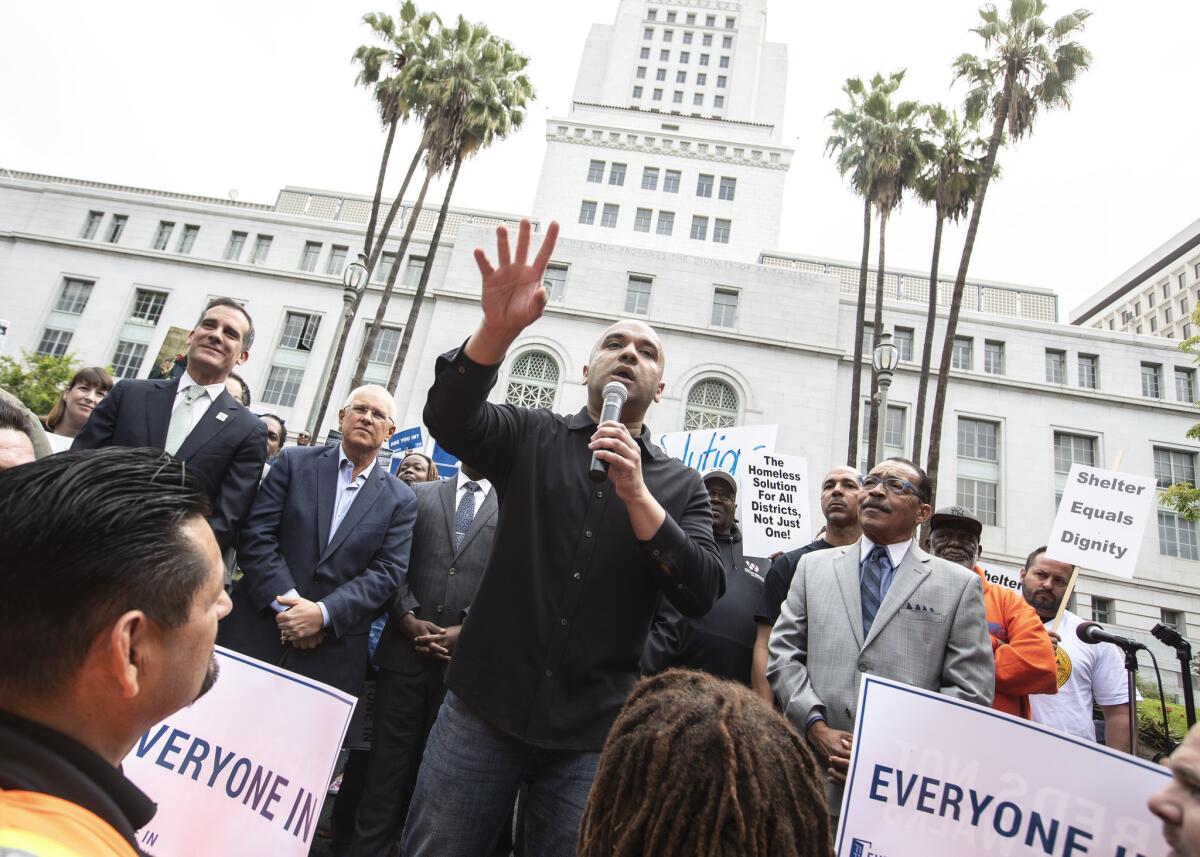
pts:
pixel 1131 666
pixel 1183 651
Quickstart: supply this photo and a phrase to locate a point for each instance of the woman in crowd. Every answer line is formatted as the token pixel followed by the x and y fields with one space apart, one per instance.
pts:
pixel 74 405
pixel 697 765
pixel 417 467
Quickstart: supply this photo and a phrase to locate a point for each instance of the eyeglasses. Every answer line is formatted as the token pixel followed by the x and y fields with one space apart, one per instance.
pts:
pixel 364 411
pixel 892 484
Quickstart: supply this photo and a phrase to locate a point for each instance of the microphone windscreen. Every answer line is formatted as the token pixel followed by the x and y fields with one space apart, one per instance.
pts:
pixel 1084 631
pixel 616 388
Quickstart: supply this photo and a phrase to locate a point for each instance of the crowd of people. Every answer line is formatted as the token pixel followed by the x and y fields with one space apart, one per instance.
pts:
pixel 563 665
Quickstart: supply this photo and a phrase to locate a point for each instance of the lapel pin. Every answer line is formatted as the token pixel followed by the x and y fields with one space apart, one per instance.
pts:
pixel 221 417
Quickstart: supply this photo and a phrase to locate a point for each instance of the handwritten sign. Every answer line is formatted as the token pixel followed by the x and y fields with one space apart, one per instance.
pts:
pixel 1101 520
pixel 722 449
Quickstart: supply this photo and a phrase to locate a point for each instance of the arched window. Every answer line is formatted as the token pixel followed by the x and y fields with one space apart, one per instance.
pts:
pixel 533 380
pixel 710 404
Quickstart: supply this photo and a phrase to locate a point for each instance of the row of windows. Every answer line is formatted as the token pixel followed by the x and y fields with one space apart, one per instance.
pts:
pixel 1132 315
pixel 687 37
pixel 684 58
pixel 665 225
pixel 75 293
pixel 681 76
pixel 637 295
pixel 1152 382
pixel 1104 611
pixel 690 18
pixel 93 221
pixel 187 238
pixel 718 101
pixel 705 182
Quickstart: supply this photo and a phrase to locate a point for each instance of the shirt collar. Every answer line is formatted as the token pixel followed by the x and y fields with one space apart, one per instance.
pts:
pixel 342 458
pixel 896 552
pixel 214 390
pixel 463 479
pixel 583 420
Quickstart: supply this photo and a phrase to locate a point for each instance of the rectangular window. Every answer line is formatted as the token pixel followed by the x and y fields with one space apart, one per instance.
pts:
pixel 703 59
pixel 1056 366
pixel 681 77
pixel 687 38
pixel 1089 371
pixel 587 213
pixel 262 246
pixel 720 81
pixel 698 99
pixel 721 230
pixel 728 188
pixel 666 223
pixel 699 227
pixel 641 220
pixel 337 260
pixel 648 34
pixel 54 342
pixel 555 281
pixel 960 355
pixel 1177 536
pixel 413 271
pixel 1185 385
pixel 729 23
pixel 1166 315
pixel 977 439
pixel 127 359
pixel 668 35
pixel 650 178
pixel 993 357
pixel 1102 610
pixel 282 386
pixel 148 306
pixel 652 15
pixel 724 62
pixel 1153 324
pixel 383 268
pixel 660 75
pixel 657 95
pixel 645 53
pixel 1151 380
pixel 710 21
pixel 664 55
pixel 188 239
pixel 91 224
pixel 387 343
pixel 868 337
pixel 1166 287
pixel 701 79
pixel 616 175
pixel 980 497
pixel 718 101
pixel 74 296
pixel 1070 449
pixel 641 72
pixel 724 311
pixel 162 235
pixel 233 250
pixel 637 295
pixel 670 17
pixel 637 92
pixel 608 218
pixel 691 17
pixel 704 185
pixel 1172 466
pixel 677 97
pixel 1173 619
pixel 671 181
pixel 310 255
pixel 595 171
pixel 727 42
pixel 299 331
pixel 904 338
pixel 707 40
pixel 116 227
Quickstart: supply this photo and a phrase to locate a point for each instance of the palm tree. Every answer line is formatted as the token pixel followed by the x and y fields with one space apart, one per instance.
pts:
pixel 1028 65
pixel 476 98
pixel 948 183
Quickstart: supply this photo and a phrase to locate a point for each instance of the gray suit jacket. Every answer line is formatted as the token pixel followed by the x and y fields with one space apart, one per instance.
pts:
pixel 930 632
pixel 441 582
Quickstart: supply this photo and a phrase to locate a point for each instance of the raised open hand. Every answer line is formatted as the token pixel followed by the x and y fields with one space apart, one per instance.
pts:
pixel 513 295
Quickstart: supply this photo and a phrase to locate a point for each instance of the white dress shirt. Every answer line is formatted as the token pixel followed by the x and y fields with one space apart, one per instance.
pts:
pixel 484 488
pixel 201 405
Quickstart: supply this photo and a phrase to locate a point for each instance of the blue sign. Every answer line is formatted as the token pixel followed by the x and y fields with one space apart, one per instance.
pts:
pixel 409 438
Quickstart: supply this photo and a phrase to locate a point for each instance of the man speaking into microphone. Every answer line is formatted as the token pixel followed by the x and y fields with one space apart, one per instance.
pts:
pixel 550 648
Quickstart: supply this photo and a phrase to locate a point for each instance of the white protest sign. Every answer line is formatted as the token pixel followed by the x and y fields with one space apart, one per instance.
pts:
pixel 724 448
pixel 1101 520
pixel 245 769
pixel 773 499
pixel 931 776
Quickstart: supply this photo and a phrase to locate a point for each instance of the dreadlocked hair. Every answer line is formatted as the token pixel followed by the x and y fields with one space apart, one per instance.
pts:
pixel 696 766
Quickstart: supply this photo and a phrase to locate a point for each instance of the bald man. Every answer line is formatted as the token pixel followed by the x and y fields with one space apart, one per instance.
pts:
pixel 324 550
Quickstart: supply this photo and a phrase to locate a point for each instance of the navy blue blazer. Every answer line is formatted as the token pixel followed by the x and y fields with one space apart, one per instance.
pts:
pixel 226 449
pixel 285 544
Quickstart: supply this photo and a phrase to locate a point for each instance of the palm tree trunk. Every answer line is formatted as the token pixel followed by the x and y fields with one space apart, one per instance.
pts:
pixel 383 163
pixel 860 316
pixel 927 348
pixel 873 454
pixel 385 298
pixel 397 204
pixel 960 280
pixel 415 309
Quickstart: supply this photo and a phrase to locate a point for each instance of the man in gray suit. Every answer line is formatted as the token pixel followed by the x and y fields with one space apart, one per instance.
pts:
pixel 456 523
pixel 881 606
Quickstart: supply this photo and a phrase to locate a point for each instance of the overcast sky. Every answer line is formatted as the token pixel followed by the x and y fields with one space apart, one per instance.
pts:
pixel 249 96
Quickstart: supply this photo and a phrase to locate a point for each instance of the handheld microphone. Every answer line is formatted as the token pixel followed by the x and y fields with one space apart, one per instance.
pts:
pixel 1090 632
pixel 615 395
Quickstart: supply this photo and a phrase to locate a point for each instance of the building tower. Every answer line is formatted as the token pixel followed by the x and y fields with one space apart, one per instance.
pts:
pixel 673 139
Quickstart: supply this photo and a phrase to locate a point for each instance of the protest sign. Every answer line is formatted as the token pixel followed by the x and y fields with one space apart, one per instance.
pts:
pixel 931 776
pixel 1101 520
pixel 245 769
pixel 773 501
pixel 724 448
pixel 409 438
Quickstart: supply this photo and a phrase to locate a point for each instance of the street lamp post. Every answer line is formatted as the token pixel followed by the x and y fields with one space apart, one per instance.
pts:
pixel 354 283
pixel 884 358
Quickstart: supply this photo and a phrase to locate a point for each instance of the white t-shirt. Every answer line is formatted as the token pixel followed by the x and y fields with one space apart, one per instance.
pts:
pixel 1086 671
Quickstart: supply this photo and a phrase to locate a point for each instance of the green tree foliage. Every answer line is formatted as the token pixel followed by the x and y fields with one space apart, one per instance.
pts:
pixel 37 379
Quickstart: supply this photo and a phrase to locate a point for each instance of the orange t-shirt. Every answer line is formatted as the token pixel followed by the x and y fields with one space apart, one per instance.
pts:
pixel 1024 655
pixel 48 826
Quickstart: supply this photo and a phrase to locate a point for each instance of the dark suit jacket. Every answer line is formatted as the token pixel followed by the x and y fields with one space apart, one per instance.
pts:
pixel 227 447
pixel 286 545
pixel 441 582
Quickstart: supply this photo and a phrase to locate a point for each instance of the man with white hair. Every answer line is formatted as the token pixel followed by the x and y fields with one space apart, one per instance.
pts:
pixel 323 551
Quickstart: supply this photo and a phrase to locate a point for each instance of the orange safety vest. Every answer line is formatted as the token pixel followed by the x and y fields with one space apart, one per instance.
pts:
pixel 48 826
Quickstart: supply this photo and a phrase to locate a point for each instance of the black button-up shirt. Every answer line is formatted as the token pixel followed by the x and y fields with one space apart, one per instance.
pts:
pixel 550 649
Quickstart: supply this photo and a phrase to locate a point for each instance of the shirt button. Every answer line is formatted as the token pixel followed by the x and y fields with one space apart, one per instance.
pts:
pixel 439 608
pixel 680 587
pixel 577 575
pixel 862 666
pixel 549 673
pixel 563 621
pixel 655 552
pixel 587 534
pixel 452 571
pixel 599 495
pixel 462 370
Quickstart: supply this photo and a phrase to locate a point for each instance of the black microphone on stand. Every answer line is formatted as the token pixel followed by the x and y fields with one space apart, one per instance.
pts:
pixel 1183 651
pixel 1090 632
pixel 615 394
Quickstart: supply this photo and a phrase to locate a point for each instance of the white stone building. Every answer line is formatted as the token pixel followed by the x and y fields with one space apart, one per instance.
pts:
pixel 752 334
